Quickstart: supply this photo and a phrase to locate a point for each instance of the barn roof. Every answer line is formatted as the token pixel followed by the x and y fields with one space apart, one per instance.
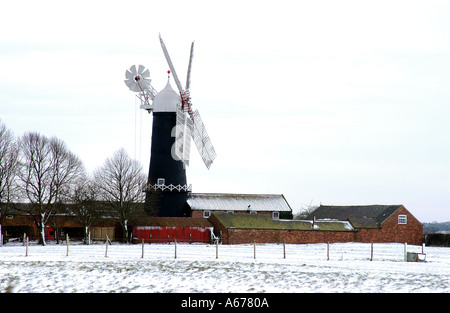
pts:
pixel 238 202
pixel 262 221
pixel 360 216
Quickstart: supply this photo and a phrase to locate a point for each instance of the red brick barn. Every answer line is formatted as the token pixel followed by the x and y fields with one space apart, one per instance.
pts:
pixel 375 223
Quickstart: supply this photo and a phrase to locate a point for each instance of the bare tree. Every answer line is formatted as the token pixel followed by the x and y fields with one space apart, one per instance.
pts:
pixel 8 168
pixel 120 181
pixel 85 205
pixel 48 169
pixel 305 211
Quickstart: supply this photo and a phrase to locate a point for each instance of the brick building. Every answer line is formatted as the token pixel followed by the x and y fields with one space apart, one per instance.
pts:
pixel 246 228
pixel 17 222
pixel 375 223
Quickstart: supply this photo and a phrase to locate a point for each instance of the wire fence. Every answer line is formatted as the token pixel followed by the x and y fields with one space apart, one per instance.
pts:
pixel 195 251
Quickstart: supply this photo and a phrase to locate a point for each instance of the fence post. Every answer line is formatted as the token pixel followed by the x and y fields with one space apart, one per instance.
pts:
pixel 217 248
pixel 67 243
pixel 168 239
pixel 328 250
pixel 371 251
pixel 284 249
pixel 175 241
pixel 26 247
pixel 254 249
pixel 404 252
pixel 142 256
pixel 150 239
pixel 106 249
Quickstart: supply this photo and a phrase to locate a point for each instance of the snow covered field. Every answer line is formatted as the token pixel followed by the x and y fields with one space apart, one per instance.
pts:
pixel 196 269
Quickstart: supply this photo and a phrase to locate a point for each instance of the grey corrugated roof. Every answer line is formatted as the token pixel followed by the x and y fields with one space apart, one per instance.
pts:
pixel 238 202
pixel 361 216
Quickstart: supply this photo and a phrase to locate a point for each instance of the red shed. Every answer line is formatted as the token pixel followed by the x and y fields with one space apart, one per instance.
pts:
pixel 181 229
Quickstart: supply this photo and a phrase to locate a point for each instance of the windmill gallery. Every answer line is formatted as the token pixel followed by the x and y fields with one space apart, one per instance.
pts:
pixel 174 212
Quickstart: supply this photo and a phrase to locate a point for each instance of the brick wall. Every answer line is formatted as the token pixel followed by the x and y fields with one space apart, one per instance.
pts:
pixel 411 232
pixel 392 231
pixel 239 236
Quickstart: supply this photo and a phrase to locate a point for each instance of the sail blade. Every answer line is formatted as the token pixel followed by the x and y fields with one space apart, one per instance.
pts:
pixel 188 79
pixel 169 62
pixel 202 140
pixel 182 137
pixel 129 75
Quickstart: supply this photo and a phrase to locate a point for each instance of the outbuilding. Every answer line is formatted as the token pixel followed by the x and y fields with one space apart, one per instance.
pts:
pixel 375 223
pixel 248 228
pixel 203 205
pixel 168 229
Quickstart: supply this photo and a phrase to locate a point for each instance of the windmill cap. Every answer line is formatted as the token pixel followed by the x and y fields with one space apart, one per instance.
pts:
pixel 166 100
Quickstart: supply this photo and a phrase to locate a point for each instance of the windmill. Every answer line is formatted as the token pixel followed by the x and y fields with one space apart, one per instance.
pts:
pixel 174 124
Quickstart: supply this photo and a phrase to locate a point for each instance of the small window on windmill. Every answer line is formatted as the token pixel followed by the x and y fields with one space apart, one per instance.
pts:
pixel 161 181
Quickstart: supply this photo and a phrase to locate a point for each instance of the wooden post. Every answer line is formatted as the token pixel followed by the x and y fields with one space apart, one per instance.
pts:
pixel 106 247
pixel 189 238
pixel 175 241
pixel 150 239
pixel 328 250
pixel 26 247
pixel 371 251
pixel 142 256
pixel 254 249
pixel 67 243
pixel 284 249
pixel 168 239
pixel 404 252
pixel 217 248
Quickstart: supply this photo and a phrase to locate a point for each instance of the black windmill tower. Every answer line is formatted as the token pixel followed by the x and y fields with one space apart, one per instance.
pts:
pixel 174 123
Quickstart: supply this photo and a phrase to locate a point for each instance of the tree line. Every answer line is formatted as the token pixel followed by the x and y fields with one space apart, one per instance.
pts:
pixel 43 173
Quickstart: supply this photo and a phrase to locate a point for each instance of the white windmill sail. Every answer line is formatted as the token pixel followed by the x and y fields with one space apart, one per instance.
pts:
pixel 202 140
pixel 192 125
pixel 183 131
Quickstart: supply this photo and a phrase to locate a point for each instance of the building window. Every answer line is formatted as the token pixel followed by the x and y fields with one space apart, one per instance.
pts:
pixel 206 214
pixel 275 215
pixel 402 219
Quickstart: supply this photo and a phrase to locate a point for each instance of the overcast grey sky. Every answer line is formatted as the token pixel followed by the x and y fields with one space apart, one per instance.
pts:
pixel 332 102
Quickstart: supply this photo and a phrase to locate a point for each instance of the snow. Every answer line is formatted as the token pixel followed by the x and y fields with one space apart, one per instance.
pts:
pixel 196 269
